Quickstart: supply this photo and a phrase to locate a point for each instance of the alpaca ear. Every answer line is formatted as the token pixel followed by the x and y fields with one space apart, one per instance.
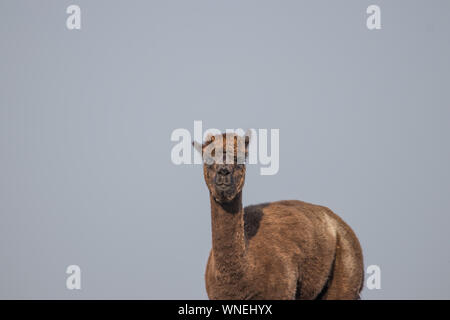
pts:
pixel 210 137
pixel 197 146
pixel 248 135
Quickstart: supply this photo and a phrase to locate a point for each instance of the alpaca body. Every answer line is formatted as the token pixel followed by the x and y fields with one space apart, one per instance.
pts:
pixel 283 250
pixel 278 250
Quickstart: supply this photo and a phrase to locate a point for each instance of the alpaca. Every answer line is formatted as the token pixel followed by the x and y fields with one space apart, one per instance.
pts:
pixel 279 250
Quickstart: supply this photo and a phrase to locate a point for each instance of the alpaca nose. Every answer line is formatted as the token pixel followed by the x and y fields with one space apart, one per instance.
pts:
pixel 224 171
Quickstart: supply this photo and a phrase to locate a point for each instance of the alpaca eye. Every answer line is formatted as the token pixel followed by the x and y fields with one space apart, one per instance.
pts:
pixel 240 161
pixel 209 161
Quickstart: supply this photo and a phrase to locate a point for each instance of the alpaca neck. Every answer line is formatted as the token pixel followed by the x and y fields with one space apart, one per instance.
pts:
pixel 228 237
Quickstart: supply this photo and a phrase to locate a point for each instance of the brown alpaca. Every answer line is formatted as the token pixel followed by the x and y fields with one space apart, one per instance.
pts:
pixel 279 250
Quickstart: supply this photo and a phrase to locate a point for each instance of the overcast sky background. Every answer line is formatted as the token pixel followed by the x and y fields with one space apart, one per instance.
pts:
pixel 86 118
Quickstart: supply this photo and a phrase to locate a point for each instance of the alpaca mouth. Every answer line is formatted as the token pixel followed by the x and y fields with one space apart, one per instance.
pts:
pixel 223 186
pixel 224 194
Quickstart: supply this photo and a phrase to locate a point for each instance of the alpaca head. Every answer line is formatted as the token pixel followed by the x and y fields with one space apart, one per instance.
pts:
pixel 224 158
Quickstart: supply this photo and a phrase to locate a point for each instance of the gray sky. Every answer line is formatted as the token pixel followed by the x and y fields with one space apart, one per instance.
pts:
pixel 86 118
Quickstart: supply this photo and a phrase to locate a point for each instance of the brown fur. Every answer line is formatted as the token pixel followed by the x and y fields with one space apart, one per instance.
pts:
pixel 279 250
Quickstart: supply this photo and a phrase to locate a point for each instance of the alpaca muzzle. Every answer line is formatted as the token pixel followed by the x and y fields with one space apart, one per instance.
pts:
pixel 223 181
